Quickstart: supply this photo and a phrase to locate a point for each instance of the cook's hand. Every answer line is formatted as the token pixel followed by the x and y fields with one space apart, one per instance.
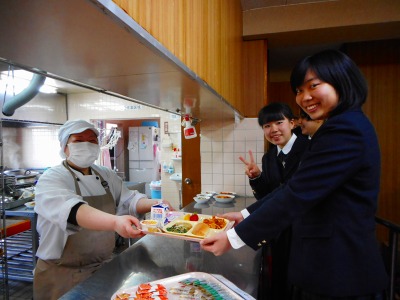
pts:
pixel 169 204
pixel 233 216
pixel 123 226
pixel 251 169
pixel 217 244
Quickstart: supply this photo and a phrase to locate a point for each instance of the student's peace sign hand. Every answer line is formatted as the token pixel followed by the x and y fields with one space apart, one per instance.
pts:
pixel 251 169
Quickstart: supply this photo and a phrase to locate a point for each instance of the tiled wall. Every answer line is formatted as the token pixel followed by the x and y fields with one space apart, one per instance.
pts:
pixel 221 145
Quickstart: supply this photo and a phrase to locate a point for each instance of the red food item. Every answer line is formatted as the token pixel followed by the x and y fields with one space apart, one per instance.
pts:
pixel 145 286
pixel 194 217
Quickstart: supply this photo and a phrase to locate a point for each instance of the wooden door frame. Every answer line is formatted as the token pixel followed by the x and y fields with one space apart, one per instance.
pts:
pixel 191 166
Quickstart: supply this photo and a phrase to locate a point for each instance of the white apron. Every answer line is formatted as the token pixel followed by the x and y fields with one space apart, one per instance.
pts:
pixel 83 254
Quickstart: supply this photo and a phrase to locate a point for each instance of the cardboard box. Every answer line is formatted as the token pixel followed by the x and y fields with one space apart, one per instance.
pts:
pixel 159 212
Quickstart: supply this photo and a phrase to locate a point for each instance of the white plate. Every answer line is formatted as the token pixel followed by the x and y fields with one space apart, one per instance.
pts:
pixel 173 281
pixel 223 198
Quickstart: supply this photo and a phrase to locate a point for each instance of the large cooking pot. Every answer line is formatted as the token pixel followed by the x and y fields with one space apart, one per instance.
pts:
pixel 22 177
pixel 21 173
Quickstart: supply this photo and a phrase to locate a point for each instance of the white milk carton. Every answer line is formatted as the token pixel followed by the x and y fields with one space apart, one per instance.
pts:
pixel 159 212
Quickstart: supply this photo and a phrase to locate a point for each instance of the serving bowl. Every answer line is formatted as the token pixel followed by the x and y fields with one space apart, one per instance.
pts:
pixel 201 199
pixel 224 198
pixel 150 225
pixel 209 193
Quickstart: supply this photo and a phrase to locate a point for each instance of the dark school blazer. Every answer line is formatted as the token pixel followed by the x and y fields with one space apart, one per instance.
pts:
pixel 331 203
pixel 272 175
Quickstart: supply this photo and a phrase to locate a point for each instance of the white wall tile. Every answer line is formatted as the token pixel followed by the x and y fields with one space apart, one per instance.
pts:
pixel 206 179
pixel 229 158
pixel 229 168
pixel 217 146
pixel 207 168
pixel 206 157
pixel 217 168
pixel 240 147
pixel 228 146
pixel 217 157
pixel 237 140
pixel 205 146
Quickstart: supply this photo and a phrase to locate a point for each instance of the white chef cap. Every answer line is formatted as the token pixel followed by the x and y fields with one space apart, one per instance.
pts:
pixel 72 127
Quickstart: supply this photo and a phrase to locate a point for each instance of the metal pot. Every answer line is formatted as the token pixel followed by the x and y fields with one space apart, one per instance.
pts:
pixel 21 174
pixel 22 177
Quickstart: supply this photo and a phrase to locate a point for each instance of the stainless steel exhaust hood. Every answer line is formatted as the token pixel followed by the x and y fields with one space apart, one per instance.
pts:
pixel 95 43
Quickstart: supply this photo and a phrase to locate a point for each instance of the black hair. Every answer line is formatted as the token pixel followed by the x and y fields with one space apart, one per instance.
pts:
pixel 304 115
pixel 337 69
pixel 274 111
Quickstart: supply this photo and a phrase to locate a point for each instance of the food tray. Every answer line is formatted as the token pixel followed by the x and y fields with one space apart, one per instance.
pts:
pixel 204 279
pixel 189 235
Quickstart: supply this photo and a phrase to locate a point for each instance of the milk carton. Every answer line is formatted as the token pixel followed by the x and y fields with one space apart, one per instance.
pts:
pixel 159 212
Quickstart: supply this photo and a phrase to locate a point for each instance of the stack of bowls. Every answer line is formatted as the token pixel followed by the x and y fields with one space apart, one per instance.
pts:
pixel 202 198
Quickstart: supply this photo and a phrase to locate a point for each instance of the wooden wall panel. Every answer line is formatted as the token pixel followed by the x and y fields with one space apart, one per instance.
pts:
pixel 380 63
pixel 254 77
pixel 281 92
pixel 206 35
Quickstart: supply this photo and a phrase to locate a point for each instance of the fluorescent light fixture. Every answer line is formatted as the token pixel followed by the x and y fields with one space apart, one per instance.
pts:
pixel 13 82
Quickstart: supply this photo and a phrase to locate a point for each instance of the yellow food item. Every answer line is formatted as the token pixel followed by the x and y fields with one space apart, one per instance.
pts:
pixel 186 217
pixel 200 229
pixel 149 222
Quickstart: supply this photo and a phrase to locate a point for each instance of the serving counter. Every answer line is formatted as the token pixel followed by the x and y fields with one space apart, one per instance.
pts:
pixel 156 257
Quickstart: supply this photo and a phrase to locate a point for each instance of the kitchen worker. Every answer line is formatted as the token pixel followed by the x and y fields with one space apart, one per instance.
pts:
pixel 332 199
pixel 80 207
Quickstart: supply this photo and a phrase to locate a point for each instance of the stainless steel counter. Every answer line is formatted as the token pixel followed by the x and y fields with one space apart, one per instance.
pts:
pixel 154 257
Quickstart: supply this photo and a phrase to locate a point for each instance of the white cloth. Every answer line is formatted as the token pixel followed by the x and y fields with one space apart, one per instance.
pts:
pixel 55 196
pixel 286 149
pixel 235 241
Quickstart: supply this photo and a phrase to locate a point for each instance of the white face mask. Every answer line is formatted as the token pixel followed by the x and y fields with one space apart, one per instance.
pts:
pixel 83 154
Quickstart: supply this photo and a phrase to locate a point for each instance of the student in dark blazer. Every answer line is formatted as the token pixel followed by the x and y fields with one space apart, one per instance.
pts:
pixel 331 200
pixel 277 122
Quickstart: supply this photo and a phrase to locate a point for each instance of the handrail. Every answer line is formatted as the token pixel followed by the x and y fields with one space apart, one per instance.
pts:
pixel 388 224
pixel 394 231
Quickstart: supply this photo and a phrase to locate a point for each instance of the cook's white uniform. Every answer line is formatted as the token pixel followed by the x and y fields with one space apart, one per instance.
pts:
pixel 55 196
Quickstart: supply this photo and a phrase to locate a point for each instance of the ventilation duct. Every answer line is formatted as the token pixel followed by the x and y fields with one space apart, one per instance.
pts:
pixel 11 103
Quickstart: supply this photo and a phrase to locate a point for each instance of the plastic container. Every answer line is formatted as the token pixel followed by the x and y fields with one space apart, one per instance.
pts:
pixel 150 123
pixel 155 194
pixel 155 190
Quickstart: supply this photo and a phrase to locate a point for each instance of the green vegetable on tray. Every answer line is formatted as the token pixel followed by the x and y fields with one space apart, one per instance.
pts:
pixel 179 228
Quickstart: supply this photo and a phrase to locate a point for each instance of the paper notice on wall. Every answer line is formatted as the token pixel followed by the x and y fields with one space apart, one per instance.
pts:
pixel 144 141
